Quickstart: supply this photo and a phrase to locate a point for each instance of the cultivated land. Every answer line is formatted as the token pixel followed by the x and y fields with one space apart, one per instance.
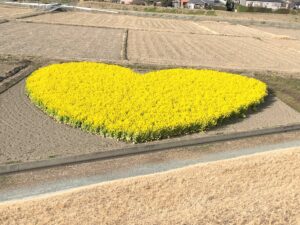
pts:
pixel 28 134
pixel 264 187
pixel 7 12
pixel 212 51
pixel 193 43
pixel 293 33
pixel 55 41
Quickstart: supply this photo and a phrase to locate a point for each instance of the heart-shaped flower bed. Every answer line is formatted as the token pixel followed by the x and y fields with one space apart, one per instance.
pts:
pixel 115 101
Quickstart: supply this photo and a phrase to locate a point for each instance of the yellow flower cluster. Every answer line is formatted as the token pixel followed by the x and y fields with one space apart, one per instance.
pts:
pixel 115 101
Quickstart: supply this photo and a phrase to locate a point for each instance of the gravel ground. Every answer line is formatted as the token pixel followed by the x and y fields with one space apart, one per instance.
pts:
pixel 54 41
pixel 220 52
pixel 259 189
pixel 28 134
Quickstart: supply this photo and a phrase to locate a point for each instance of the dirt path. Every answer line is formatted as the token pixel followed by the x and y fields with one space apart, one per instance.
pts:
pixel 259 189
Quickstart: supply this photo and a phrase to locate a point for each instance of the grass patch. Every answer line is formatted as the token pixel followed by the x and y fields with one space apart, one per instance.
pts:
pixel 287 89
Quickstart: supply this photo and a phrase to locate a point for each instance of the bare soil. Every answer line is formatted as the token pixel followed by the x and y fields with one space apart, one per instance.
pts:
pixel 221 52
pixel 207 44
pixel 259 189
pixel 7 12
pixel 28 134
pixel 294 33
pixel 118 21
pixel 55 41
pixel 150 24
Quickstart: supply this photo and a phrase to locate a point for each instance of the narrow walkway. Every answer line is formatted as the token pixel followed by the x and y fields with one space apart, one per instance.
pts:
pixel 120 168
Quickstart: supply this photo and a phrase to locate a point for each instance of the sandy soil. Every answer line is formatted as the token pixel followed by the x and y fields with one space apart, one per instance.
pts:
pixel 213 51
pixel 9 12
pixel 54 41
pixel 29 134
pixel 259 189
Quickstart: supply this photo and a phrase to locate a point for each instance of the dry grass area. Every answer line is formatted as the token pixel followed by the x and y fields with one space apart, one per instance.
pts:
pixel 214 51
pixel 258 189
pixel 54 41
pixel 9 12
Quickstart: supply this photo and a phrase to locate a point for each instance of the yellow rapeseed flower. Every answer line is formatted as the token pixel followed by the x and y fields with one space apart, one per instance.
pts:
pixel 116 101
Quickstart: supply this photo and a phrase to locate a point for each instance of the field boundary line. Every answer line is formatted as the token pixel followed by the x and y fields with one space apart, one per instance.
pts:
pixel 206 28
pixel 124 55
pixel 141 149
pixel 3 21
pixel 17 77
pixel 42 60
pixel 212 33
pixel 73 25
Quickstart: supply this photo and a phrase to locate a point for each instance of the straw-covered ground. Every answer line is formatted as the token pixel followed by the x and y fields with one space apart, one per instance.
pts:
pixel 258 189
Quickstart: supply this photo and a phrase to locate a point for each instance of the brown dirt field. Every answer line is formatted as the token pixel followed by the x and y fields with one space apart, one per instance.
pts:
pixel 54 41
pixel 259 189
pixel 10 12
pixel 149 24
pixel 225 28
pixel 118 21
pixel 293 33
pixel 28 134
pixel 213 51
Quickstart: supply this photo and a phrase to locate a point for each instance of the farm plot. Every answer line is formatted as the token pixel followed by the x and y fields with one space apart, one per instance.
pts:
pixel 8 12
pixel 28 134
pixel 292 33
pixel 225 28
pixel 57 41
pixel 119 21
pixel 210 51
